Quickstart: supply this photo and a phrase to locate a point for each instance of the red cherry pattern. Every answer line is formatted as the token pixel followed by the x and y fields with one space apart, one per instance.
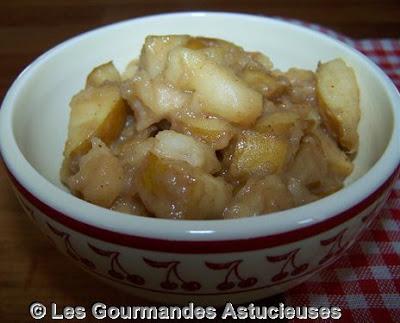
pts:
pixel 280 276
pixel 299 270
pixel 225 285
pixel 171 266
pixel 246 283
pixel 69 248
pixel 231 269
pixel 169 285
pixel 289 265
pixel 337 246
pixel 121 274
pixel 135 279
pixel 191 286
pixel 115 274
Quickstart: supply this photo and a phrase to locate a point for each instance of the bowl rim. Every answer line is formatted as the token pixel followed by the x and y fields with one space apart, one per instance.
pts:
pixel 302 217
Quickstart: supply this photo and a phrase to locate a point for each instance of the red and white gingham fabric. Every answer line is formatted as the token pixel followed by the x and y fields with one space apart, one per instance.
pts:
pixel 365 283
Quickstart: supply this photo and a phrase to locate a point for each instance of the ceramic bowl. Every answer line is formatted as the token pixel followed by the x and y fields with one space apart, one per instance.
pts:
pixel 208 262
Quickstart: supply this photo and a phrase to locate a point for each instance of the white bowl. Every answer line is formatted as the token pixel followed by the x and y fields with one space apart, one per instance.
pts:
pixel 203 261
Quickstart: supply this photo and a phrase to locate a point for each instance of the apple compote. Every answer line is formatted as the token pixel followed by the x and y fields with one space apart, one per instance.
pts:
pixel 199 128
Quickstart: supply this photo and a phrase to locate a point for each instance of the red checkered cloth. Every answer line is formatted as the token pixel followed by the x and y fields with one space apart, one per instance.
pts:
pixel 365 283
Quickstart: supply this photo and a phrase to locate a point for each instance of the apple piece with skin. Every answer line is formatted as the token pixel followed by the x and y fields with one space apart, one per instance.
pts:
pixel 190 70
pixel 258 154
pixel 213 131
pixel 338 161
pixel 259 196
pixel 102 74
pixel 264 82
pixel 338 96
pixel 95 112
pixel 175 189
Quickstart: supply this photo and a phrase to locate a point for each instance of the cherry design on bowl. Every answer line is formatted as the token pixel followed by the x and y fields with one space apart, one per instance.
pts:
pixel 172 270
pixel 117 271
pixel 337 246
pixel 289 265
pixel 232 269
pixel 70 249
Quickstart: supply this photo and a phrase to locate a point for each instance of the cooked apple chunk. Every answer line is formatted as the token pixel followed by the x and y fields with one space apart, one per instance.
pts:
pixel 310 165
pixel 190 70
pixel 158 96
pixel 316 167
pixel 95 112
pixel 144 117
pixel 100 176
pixel 174 189
pixel 130 205
pixel 155 52
pixel 173 145
pixel 338 96
pixel 102 74
pixel 264 82
pixel 288 127
pixel 223 52
pixel 338 161
pixel 134 151
pixel 258 154
pixel 279 122
pixel 259 196
pixel 130 70
pixel 213 131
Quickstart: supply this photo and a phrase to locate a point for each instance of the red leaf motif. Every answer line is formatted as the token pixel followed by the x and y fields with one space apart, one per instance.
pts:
pixel 328 241
pixel 279 257
pixel 157 264
pixel 101 252
pixel 220 266
pixel 279 276
pixel 332 239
